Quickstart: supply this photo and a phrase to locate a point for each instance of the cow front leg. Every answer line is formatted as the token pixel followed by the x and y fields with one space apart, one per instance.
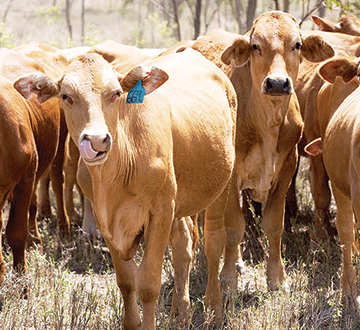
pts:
pixel 273 222
pixel 148 279
pixel 183 240
pixel 125 278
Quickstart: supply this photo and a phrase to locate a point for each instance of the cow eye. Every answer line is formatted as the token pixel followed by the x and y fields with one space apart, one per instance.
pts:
pixel 297 46
pixel 115 96
pixel 67 99
pixel 255 47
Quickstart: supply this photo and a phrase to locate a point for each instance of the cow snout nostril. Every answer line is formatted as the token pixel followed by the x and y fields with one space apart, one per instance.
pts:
pixel 277 86
pixel 107 142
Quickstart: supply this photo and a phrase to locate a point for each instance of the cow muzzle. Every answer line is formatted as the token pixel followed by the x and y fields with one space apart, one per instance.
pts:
pixel 277 86
pixel 94 148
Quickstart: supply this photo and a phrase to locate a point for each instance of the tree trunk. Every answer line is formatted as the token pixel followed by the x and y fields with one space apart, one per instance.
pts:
pixel 82 21
pixel 68 20
pixel 276 4
pixel 286 6
pixel 176 20
pixel 250 13
pixel 197 18
pixel 8 5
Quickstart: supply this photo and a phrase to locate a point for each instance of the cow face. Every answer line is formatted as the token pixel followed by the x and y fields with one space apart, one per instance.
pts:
pixel 273 48
pixel 89 92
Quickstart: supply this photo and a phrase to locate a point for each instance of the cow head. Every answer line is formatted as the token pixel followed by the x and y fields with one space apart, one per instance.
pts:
pixel 348 24
pixel 273 48
pixel 91 94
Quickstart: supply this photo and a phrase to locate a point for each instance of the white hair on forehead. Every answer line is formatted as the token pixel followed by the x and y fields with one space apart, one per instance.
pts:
pixel 107 75
pixel 72 79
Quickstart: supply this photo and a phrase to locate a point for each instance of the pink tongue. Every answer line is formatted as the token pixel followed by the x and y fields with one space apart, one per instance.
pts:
pixel 86 150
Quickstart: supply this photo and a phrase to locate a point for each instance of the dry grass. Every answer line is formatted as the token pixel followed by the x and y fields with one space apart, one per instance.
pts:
pixel 72 286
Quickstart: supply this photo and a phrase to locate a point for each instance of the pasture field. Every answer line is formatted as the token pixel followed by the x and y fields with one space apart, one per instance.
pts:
pixel 72 284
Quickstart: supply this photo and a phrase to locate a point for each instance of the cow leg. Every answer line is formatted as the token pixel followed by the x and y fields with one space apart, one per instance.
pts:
pixel 235 227
pixel 183 233
pixel 345 227
pixel 148 280
pixel 291 207
pixel 44 207
pixel 320 190
pixel 125 277
pixel 17 226
pixel 70 169
pixel 89 224
pixel 2 261
pixel 273 222
pixel 215 236
pixel 34 235
pixel 57 180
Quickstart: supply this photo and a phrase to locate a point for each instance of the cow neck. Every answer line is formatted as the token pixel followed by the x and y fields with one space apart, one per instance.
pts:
pixel 259 122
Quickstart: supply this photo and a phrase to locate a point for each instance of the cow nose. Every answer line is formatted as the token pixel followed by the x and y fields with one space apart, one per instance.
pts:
pixel 99 142
pixel 277 86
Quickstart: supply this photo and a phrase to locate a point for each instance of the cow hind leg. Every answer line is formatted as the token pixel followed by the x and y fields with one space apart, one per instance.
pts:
pixel 215 236
pixel 235 227
pixel 345 226
pixel 17 226
pixel 183 238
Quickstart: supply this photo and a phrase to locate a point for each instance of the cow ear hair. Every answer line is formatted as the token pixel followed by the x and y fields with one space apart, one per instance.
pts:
pixel 324 24
pixel 239 51
pixel 316 49
pixel 151 79
pixel 338 67
pixel 314 147
pixel 37 83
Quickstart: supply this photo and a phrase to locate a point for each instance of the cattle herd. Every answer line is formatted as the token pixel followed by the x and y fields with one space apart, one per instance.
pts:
pixel 152 140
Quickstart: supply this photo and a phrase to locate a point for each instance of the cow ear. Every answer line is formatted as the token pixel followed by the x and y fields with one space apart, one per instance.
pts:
pixel 239 51
pixel 314 147
pixel 316 49
pixel 338 67
pixel 37 83
pixel 151 80
pixel 324 24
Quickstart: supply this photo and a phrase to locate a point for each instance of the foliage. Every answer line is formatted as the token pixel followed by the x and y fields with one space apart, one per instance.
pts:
pixel 345 7
pixel 91 39
pixel 6 38
pixel 164 30
pixel 50 15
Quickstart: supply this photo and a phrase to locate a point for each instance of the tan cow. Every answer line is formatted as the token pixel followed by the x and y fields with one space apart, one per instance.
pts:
pixel 170 156
pixel 341 159
pixel 269 127
pixel 348 24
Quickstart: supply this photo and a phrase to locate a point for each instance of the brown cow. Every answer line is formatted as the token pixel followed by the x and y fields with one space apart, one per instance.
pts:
pixel 269 127
pixel 168 157
pixel 341 159
pixel 53 64
pixel 307 87
pixel 348 24
pixel 29 138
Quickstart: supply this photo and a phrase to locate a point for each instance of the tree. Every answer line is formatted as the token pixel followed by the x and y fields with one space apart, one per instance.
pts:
pixel 68 20
pixel 250 13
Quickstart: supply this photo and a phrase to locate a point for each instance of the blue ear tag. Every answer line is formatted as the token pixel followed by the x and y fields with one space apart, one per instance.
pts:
pixel 136 94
